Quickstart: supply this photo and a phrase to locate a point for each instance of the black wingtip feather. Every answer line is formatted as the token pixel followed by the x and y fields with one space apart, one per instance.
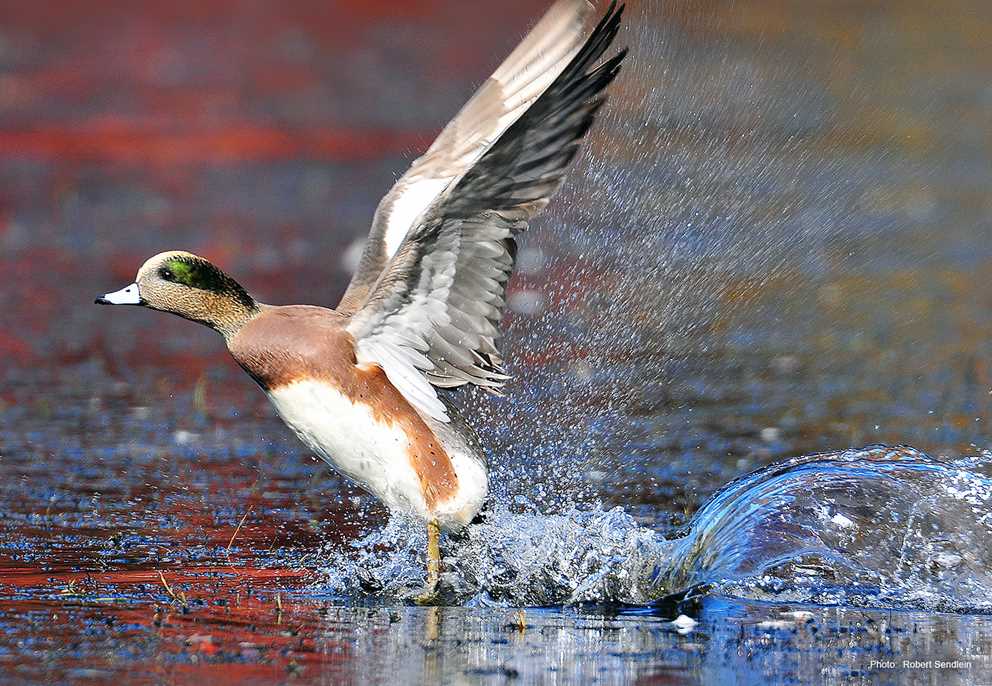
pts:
pixel 599 40
pixel 531 156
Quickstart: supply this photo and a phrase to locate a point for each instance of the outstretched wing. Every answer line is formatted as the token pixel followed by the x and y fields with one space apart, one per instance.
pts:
pixel 499 102
pixel 432 317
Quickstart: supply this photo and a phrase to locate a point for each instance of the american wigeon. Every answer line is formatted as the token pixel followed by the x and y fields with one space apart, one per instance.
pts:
pixel 359 384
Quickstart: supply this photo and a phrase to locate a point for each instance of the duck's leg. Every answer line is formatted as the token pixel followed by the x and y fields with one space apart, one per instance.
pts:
pixel 429 594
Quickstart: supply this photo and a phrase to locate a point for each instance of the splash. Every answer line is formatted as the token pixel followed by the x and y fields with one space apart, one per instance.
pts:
pixel 882 526
pixel 516 557
pixel 878 527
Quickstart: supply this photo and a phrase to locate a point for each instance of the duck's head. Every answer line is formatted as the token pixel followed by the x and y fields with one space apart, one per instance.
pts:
pixel 192 287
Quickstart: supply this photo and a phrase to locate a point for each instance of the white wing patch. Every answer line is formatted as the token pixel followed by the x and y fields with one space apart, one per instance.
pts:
pixel 415 198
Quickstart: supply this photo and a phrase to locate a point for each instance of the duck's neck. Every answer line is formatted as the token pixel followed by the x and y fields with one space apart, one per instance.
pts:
pixel 223 313
pixel 233 318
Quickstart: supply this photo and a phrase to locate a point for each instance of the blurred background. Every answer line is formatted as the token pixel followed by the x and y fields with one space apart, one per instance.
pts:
pixel 776 242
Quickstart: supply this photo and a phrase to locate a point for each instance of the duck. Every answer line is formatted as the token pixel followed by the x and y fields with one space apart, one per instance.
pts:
pixel 366 385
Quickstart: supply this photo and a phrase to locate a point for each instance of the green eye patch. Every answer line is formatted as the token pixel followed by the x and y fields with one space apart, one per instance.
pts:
pixel 204 276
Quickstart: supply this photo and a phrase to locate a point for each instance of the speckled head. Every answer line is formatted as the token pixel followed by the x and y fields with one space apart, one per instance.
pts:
pixel 190 286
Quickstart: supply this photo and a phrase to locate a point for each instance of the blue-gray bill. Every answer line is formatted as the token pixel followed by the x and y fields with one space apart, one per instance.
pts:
pixel 126 296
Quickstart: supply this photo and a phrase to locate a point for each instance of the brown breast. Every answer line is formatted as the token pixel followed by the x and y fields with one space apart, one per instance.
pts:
pixel 287 344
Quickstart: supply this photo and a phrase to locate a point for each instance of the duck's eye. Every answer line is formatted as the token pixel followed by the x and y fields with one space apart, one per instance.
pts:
pixel 166 274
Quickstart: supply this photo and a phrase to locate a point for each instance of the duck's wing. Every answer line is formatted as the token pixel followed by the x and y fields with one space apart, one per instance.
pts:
pixel 501 100
pixel 432 317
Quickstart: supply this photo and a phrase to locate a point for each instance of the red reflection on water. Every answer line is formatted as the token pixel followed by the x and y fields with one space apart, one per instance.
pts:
pixel 220 625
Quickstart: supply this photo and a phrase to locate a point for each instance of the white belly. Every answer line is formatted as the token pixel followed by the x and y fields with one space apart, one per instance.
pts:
pixel 373 453
pixel 347 436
